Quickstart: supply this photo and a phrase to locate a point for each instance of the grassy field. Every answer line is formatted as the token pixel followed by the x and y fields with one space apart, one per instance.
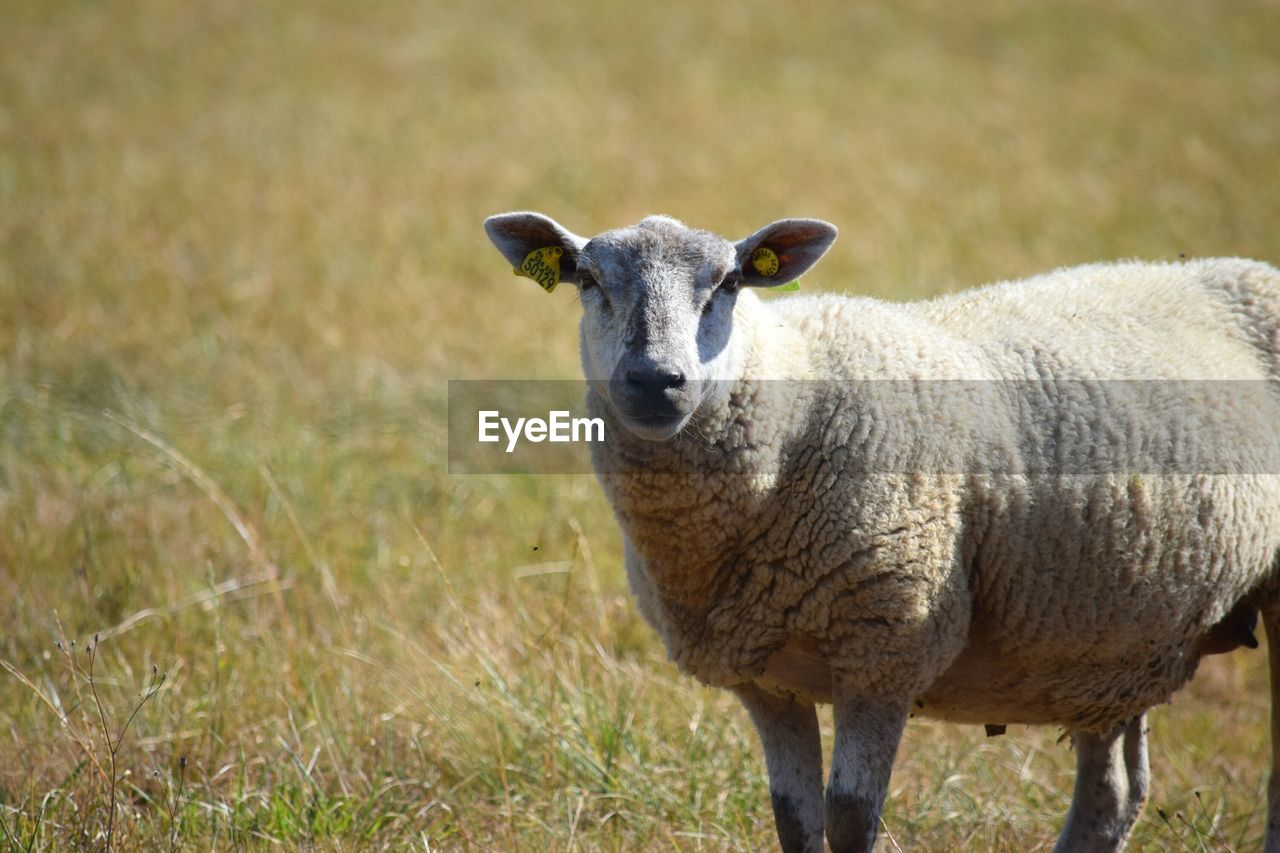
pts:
pixel 241 254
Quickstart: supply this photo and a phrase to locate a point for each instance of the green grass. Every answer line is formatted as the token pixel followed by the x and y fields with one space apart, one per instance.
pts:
pixel 241 254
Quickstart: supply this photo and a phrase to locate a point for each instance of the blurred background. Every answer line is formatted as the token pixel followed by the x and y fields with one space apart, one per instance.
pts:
pixel 241 255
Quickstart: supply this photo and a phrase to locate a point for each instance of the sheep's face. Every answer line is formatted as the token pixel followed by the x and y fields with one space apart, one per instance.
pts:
pixel 658 297
pixel 657 321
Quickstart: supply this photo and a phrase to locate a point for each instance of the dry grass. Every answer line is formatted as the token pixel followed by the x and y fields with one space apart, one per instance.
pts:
pixel 251 233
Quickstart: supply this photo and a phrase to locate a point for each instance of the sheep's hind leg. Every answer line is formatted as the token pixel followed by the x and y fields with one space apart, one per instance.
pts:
pixel 1112 776
pixel 868 730
pixel 1271 621
pixel 788 731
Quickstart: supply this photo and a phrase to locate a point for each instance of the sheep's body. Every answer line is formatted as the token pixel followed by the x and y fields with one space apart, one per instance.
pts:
pixel 1078 599
pixel 1037 502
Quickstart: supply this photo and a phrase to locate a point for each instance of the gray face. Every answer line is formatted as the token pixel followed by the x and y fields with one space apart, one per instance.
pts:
pixel 658 298
pixel 656 327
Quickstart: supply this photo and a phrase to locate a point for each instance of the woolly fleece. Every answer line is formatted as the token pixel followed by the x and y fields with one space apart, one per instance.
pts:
pixel 905 544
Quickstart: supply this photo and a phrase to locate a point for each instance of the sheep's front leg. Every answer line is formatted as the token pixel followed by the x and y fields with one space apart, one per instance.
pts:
pixel 793 754
pixel 1112 776
pixel 867 733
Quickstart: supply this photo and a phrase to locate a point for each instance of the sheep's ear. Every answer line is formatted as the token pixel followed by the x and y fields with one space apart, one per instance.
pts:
pixel 536 246
pixel 781 252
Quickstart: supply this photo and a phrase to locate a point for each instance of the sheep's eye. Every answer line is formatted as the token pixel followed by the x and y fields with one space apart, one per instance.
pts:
pixel 586 281
pixel 729 284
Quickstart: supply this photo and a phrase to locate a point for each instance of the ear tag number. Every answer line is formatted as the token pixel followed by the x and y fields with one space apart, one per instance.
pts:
pixel 543 266
pixel 765 261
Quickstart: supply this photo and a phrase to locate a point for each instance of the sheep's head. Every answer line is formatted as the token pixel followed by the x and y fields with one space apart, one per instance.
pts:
pixel 658 301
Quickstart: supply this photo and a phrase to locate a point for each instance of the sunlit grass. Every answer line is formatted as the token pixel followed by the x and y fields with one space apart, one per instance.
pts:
pixel 240 255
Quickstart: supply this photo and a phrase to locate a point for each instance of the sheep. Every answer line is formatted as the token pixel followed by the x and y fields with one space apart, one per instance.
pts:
pixel 1034 502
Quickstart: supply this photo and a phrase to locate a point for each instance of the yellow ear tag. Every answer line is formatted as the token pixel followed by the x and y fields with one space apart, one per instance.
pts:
pixel 765 261
pixel 543 266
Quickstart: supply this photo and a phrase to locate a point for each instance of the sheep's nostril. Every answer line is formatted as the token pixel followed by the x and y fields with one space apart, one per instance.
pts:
pixel 669 377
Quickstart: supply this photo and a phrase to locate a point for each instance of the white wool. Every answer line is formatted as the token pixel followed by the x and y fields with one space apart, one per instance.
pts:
pixel 1078 599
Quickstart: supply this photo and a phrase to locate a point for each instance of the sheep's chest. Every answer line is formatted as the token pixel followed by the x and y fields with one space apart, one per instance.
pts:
pixel 869 604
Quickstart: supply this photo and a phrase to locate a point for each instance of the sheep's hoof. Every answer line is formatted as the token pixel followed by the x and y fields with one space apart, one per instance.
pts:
pixel 852 822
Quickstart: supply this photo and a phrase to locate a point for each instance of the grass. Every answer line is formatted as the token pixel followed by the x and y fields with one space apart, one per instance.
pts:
pixel 240 255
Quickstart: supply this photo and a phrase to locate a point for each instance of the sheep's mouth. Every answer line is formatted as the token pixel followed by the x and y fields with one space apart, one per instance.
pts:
pixel 655 427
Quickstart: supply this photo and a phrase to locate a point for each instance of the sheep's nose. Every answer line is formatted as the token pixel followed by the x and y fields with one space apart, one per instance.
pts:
pixel 653 381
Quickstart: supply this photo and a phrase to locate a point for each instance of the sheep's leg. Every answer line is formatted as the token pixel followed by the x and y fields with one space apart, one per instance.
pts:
pixel 1112 776
pixel 788 731
pixel 1271 621
pixel 1137 768
pixel 867 733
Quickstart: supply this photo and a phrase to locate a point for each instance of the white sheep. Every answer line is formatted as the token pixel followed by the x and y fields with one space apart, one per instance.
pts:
pixel 1036 502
